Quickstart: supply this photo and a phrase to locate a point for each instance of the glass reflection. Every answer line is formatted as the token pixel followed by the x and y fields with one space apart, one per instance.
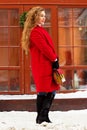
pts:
pixel 65 36
pixel 80 36
pixel 14 36
pixel 14 17
pixel 32 84
pixel 14 52
pixel 80 79
pixel 80 16
pixel 76 79
pixel 3 36
pixel 14 80
pixel 69 77
pixel 13 14
pixel 65 56
pixel 47 24
pixel 72 29
pixel 48 18
pixel 4 56
pixel 3 80
pixel 4 17
pixel 64 17
pixel 80 58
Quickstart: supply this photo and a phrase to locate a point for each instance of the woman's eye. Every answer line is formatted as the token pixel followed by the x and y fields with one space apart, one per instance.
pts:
pixel 43 16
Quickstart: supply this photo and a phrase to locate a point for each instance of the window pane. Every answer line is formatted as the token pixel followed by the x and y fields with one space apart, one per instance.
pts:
pixel 80 79
pixel 3 36
pixel 76 79
pixel 32 84
pixel 14 36
pixel 47 24
pixel 14 80
pixel 80 36
pixel 80 17
pixel 3 80
pixel 4 17
pixel 9 17
pixel 65 36
pixel 14 17
pixel 14 54
pixel 4 56
pixel 80 58
pixel 48 17
pixel 65 56
pixel 64 17
pixel 69 77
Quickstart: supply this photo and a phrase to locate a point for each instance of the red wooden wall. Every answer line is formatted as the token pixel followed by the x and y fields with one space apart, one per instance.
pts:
pixel 63 2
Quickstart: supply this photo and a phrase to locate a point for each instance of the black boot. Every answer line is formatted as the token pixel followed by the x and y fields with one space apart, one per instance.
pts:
pixel 39 104
pixel 43 115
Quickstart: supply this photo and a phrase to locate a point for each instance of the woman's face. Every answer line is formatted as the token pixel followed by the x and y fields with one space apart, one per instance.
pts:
pixel 42 18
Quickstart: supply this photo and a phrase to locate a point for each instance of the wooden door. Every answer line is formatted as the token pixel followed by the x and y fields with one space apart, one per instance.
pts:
pixel 11 68
pixel 15 69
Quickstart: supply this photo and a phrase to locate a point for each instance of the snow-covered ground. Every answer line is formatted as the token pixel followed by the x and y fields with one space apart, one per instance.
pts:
pixel 70 120
pixel 62 120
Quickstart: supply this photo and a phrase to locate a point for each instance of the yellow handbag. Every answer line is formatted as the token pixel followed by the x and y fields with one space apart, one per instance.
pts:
pixel 58 76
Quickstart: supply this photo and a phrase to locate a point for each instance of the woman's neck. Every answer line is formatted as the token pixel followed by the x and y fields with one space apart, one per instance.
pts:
pixel 39 25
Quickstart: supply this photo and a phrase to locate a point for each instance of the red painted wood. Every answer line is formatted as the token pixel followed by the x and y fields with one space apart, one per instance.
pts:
pixel 30 105
pixel 64 2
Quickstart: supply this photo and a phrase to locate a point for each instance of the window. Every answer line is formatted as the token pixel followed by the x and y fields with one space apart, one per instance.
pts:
pixel 72 46
pixel 9 50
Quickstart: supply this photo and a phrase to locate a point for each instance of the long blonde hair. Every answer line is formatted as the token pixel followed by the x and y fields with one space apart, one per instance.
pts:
pixel 31 19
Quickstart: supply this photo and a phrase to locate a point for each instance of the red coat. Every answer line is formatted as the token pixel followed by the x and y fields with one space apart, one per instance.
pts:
pixel 42 55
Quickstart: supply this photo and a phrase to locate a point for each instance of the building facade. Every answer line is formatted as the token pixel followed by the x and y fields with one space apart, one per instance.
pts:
pixel 66 22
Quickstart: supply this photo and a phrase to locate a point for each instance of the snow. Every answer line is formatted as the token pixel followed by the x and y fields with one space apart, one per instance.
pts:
pixel 23 120
pixel 61 120
pixel 78 94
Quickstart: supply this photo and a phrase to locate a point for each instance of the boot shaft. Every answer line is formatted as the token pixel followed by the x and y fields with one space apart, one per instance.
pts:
pixel 44 105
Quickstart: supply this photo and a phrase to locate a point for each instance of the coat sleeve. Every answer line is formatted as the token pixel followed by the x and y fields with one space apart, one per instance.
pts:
pixel 37 39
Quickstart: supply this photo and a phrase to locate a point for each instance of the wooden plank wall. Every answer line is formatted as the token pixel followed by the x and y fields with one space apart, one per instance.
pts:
pixel 30 105
pixel 51 2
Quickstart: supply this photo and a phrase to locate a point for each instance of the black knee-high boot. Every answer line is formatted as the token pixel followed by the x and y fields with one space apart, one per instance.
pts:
pixel 44 113
pixel 39 104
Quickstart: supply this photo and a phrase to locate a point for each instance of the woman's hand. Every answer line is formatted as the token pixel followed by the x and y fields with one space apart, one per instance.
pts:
pixel 55 64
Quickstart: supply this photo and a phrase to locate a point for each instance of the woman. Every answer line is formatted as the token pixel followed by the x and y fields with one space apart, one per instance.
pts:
pixel 43 60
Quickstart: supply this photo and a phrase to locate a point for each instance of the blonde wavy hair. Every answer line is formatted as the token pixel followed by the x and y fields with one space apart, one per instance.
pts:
pixel 31 20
